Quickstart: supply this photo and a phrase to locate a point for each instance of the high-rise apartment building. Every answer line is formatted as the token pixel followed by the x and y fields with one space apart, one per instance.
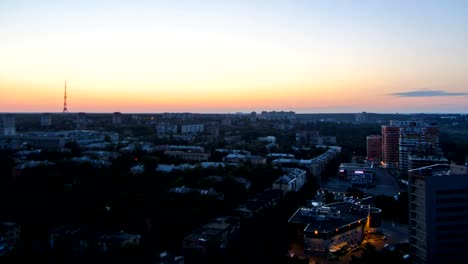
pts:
pixel 400 138
pixel 117 118
pixel 438 206
pixel 46 120
pixel 390 137
pixel 374 147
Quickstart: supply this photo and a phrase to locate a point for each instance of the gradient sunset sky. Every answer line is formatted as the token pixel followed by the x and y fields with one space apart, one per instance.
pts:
pixel 230 56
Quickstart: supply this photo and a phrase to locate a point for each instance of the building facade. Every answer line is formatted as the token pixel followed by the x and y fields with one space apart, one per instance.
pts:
pixel 8 125
pixel 117 118
pixel 400 138
pixel 333 227
pixel 438 206
pixel 390 137
pixel 374 148
pixel 46 120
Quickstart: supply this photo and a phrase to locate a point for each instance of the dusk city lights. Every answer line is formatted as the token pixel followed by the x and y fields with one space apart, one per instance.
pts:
pixel 172 132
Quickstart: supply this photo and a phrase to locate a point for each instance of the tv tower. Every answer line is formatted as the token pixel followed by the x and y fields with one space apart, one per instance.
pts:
pixel 65 110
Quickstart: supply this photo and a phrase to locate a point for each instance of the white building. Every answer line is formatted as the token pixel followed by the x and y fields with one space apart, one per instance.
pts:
pixel 292 181
pixel 192 129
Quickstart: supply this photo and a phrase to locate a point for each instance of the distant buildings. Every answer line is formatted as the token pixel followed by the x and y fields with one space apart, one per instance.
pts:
pixel 8 125
pixel 189 153
pixel 241 158
pixel 81 121
pixel 361 117
pixel 192 129
pixel 277 115
pixel 46 120
pixel 374 148
pixel 312 138
pixel 400 138
pixel 438 206
pixel 165 128
pixel 57 140
pixel 117 118
pixel 207 193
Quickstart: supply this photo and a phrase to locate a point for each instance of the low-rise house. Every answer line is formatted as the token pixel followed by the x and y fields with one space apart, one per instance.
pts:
pixel 117 241
pixel 237 158
pixel 292 181
pixel 214 236
pixel 10 234
pixel 201 192
pixel 138 169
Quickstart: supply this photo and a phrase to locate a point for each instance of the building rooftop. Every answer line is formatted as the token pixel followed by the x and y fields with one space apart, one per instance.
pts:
pixel 330 217
pixel 440 170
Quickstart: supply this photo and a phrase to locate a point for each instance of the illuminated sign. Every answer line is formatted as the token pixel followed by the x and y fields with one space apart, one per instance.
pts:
pixel 359 172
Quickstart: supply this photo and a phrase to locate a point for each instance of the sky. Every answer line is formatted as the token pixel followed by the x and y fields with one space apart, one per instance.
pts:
pixel 234 56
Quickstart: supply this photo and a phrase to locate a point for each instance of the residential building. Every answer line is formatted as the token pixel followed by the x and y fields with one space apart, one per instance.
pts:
pixel 10 234
pixel 238 158
pixel 277 115
pixel 262 201
pixel 438 205
pixel 425 154
pixel 390 138
pixel 411 135
pixel 117 118
pixel 312 138
pixel 293 180
pixel 192 129
pixel 374 148
pixel 215 236
pixel 46 120
pixel 57 140
pixel 361 117
pixel 81 121
pixel 117 241
pixel 188 155
pixel 201 192
pixel 8 125
pixel 165 128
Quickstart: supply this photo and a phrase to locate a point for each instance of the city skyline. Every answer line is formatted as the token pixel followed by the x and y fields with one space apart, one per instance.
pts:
pixel 220 57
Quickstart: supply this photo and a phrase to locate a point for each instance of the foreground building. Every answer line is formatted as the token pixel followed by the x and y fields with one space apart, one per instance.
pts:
pixel 438 206
pixel 328 229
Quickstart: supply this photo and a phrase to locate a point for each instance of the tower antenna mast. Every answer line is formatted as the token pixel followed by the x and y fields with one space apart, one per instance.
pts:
pixel 65 109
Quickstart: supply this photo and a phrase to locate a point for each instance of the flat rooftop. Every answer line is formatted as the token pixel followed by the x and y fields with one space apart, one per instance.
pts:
pixel 339 214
